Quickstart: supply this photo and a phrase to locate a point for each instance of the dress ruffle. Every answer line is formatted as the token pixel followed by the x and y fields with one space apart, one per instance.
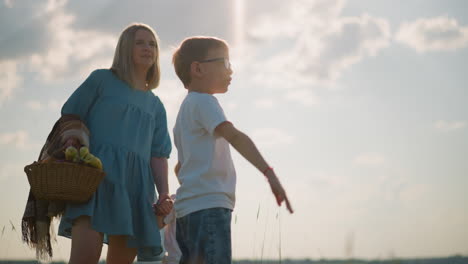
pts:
pixel 127 127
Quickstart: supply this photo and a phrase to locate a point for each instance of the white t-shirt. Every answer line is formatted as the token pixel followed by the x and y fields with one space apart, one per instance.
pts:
pixel 207 177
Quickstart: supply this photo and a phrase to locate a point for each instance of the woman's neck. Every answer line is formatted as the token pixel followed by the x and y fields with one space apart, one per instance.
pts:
pixel 139 79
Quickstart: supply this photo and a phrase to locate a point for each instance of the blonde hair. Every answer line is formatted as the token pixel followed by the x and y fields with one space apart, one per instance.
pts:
pixel 190 50
pixel 122 65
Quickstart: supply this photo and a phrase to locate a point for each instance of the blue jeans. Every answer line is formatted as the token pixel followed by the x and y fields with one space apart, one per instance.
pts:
pixel 205 236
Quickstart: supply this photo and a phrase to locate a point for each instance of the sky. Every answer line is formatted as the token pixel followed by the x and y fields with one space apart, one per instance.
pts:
pixel 359 105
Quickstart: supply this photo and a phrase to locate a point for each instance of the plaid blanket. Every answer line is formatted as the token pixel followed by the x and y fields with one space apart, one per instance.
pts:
pixel 38 215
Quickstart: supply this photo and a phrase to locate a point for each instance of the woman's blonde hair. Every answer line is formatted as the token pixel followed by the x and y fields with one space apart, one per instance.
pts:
pixel 122 65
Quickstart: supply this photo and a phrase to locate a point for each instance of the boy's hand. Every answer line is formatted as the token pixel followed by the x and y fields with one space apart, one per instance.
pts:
pixel 245 146
pixel 277 189
pixel 164 205
pixel 177 168
pixel 160 221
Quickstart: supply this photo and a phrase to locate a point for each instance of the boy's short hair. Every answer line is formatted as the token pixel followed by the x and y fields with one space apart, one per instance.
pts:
pixel 193 49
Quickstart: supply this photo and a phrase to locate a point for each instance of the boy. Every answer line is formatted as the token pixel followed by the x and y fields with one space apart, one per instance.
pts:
pixel 202 134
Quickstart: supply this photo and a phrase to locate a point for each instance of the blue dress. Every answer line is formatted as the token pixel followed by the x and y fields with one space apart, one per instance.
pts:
pixel 128 127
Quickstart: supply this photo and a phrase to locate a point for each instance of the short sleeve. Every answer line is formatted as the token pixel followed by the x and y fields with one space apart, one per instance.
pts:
pixel 84 96
pixel 161 145
pixel 210 113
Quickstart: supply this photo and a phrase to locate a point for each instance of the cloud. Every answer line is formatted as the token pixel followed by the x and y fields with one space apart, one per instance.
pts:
pixel 302 96
pixel 40 19
pixel 369 159
pixel 172 20
pixel 58 50
pixel 53 105
pixel 57 39
pixel 9 79
pixel 310 13
pixel 171 93
pixel 18 139
pixel 34 105
pixel 271 137
pixel 8 3
pixel 230 106
pixel 264 103
pixel 70 49
pixel 433 34
pixel 23 37
pixel 312 43
pixel 416 192
pixel 446 126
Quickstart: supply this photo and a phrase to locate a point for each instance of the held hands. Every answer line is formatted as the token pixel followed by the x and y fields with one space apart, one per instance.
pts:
pixel 277 189
pixel 164 205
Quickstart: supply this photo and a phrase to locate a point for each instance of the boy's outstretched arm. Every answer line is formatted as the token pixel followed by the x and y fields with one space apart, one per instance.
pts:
pixel 246 147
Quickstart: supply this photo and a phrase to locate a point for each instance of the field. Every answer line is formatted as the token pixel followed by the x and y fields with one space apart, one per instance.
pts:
pixel 442 260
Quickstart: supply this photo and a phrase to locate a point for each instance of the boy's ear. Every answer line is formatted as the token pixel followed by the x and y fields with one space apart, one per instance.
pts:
pixel 195 69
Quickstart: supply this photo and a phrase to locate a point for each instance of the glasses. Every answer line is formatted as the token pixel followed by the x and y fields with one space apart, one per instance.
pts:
pixel 227 64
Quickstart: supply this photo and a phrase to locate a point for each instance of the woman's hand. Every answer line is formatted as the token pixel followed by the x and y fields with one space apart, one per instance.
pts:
pixel 164 205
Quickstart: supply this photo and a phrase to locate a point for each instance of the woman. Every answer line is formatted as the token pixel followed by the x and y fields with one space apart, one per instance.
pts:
pixel 129 134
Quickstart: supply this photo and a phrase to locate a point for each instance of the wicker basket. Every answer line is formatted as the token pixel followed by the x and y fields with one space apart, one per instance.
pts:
pixel 63 181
